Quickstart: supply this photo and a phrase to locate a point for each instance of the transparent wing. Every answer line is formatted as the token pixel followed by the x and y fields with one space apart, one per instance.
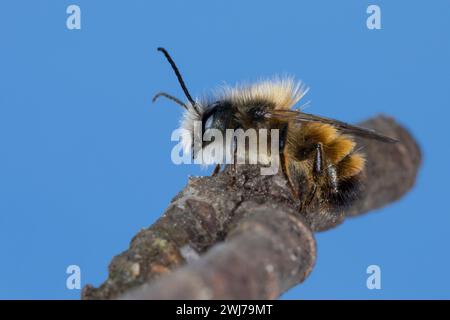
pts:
pixel 297 116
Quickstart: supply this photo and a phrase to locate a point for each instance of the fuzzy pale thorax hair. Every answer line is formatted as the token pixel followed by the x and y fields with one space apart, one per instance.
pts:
pixel 283 93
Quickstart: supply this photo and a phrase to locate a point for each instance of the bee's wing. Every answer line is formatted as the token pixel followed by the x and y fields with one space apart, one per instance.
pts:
pixel 297 116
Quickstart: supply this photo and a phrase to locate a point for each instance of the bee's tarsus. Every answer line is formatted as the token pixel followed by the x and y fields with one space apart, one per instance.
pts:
pixel 216 170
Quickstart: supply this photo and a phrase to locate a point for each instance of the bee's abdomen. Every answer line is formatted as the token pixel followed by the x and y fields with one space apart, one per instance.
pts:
pixel 349 190
pixel 337 182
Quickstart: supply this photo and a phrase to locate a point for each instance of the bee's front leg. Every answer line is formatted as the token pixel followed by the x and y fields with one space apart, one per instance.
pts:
pixel 216 170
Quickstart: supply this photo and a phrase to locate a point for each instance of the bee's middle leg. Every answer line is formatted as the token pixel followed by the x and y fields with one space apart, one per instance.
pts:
pixel 318 159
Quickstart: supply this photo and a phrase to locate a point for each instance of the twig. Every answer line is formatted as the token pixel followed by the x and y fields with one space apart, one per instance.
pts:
pixel 270 250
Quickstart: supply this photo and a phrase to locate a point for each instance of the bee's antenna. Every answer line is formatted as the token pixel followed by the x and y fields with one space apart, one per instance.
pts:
pixel 170 97
pixel 179 77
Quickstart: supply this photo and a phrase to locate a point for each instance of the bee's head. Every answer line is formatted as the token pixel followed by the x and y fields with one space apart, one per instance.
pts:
pixel 205 115
pixel 217 116
pixel 208 116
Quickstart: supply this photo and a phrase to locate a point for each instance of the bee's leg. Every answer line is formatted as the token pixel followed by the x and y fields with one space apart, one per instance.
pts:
pixel 283 137
pixel 332 178
pixel 320 169
pixel 325 186
pixel 234 156
pixel 216 170
pixel 233 164
pixel 284 168
pixel 310 198
pixel 318 159
pixel 283 161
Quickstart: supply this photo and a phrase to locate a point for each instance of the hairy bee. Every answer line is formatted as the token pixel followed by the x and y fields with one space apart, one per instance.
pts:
pixel 318 155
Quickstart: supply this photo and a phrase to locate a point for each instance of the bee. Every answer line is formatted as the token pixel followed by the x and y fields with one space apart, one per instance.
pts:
pixel 318 155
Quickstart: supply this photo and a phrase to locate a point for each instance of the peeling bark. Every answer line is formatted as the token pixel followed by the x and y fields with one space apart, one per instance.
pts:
pixel 261 244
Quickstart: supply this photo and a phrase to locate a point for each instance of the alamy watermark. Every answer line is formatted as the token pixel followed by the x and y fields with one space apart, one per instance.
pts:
pixel 374 279
pixel 373 21
pixel 73 21
pixel 238 146
pixel 73 281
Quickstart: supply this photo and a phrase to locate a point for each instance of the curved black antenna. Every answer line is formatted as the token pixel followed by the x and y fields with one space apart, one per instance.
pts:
pixel 170 97
pixel 179 77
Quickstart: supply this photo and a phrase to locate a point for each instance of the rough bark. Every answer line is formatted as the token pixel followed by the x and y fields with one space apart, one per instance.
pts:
pixel 271 248
pixel 261 244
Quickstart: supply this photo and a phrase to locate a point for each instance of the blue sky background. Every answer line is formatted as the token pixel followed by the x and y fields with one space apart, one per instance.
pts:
pixel 85 156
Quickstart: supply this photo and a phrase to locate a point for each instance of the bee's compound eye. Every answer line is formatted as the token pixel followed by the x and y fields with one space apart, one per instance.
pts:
pixel 209 122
